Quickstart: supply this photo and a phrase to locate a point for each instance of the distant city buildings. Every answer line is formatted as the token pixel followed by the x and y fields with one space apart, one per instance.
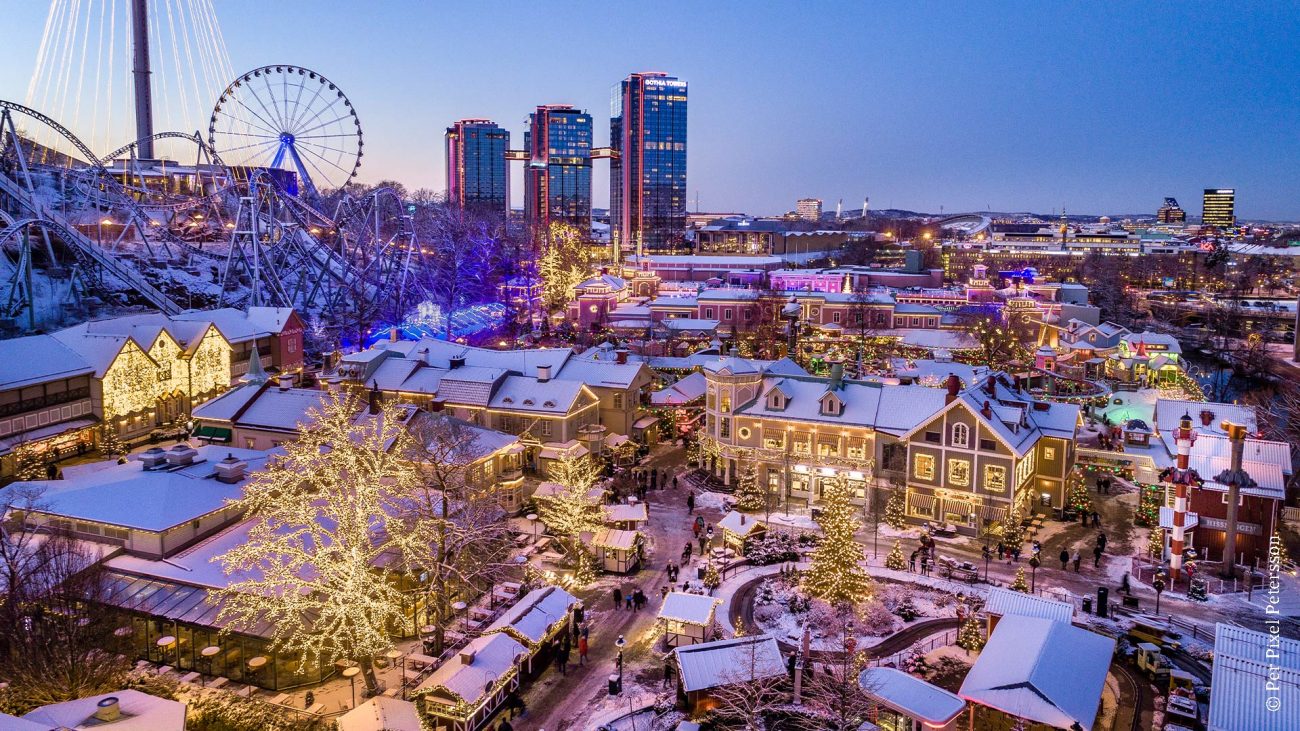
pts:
pixel 476 165
pixel 1218 208
pixel 809 209
pixel 1171 213
pixel 557 180
pixel 647 132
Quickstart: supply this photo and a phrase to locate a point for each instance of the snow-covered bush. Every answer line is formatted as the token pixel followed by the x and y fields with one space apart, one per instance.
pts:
pixel 876 619
pixel 229 712
pixel 916 664
pixel 776 547
pixel 768 613
pixel 907 610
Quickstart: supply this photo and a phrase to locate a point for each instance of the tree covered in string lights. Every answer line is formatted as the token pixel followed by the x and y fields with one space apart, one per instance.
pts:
pixel 1077 491
pixel 749 496
pixel 712 579
pixel 998 343
pixel 895 560
pixel 836 574
pixel 971 635
pixel 28 464
pixel 572 510
pixel 309 568
pixel 1013 530
pixel 895 515
pixel 110 444
pixel 1156 543
pixel 1020 584
pixel 1150 498
pixel 564 264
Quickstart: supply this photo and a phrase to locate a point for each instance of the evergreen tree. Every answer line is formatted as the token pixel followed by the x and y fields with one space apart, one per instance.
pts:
pixel 1077 490
pixel 712 579
pixel 1196 590
pixel 971 636
pixel 28 465
pixel 1156 543
pixel 749 496
pixel 895 509
pixel 1013 533
pixel 110 445
pixel 1020 584
pixel 835 574
pixel 895 560
pixel 1150 498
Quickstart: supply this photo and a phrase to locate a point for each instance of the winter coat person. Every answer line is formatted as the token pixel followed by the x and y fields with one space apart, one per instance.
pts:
pixel 618 597
pixel 1075 559
pixel 1096 556
pixel 1065 558
pixel 690 503
pixel 582 650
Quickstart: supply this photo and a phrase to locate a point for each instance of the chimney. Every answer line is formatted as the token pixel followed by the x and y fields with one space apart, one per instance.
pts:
pixel 181 454
pixel 285 381
pixel 837 376
pixel 153 457
pixel 987 411
pixel 392 335
pixel 954 388
pixel 466 657
pixel 1207 417
pixel 375 400
pixel 231 469
pixel 991 385
pixel 107 710
pixel 457 361
pixel 543 373
pixel 742 518
pixel 436 405
pixel 621 355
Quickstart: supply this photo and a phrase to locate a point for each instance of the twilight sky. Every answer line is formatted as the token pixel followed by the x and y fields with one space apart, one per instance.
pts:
pixel 1102 107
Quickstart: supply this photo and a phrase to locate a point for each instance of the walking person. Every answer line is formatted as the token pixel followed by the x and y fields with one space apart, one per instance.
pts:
pixel 1096 556
pixel 1065 558
pixel 911 561
pixel 582 648
pixel 1002 551
pixel 1075 559
pixel 618 597
pixel 1096 519
pixel 703 542
pixel 686 552
pixel 690 503
pixel 1101 540
pixel 674 482
pixel 562 657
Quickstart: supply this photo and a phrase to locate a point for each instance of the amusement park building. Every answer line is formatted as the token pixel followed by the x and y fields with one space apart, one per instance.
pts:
pixel 966 452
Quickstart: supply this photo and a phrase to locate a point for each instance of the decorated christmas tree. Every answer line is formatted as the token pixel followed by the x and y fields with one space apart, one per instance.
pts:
pixel 835 573
pixel 1077 490
pixel 712 579
pixel 584 566
pixel 110 445
pixel 749 496
pixel 1196 590
pixel 1150 498
pixel 894 509
pixel 1020 584
pixel 971 635
pixel 1156 543
pixel 1013 533
pixel 895 560
pixel 28 464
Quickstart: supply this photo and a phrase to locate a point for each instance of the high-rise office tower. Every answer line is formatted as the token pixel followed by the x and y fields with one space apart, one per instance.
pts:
pixel 476 165
pixel 647 182
pixel 557 180
pixel 1171 212
pixel 809 209
pixel 1218 208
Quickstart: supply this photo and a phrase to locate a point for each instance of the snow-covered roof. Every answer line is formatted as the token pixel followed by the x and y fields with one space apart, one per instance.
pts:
pixel 470 385
pixel 689 608
pixel 689 323
pixel 1005 602
pixel 38 359
pixel 382 714
pixel 439 353
pixel 521 393
pixel 723 662
pixel 14 723
pixel 892 409
pixel 238 326
pixel 688 389
pixel 139 712
pixel 739 523
pixel 911 696
pixel 154 500
pixel 1168 412
pixel 622 512
pixel 493 656
pixel 1041 670
pixel 282 409
pixel 533 616
pixel 784 367
pixel 226 406
pixel 602 372
pixel 1244 661
pixel 948 339
pixel 1168 342
pixel 623 540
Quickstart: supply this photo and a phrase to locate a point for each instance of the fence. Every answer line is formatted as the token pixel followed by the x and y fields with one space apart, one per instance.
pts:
pixel 896 659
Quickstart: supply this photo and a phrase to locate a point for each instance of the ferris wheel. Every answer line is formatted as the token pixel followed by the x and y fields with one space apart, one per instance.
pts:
pixel 288 118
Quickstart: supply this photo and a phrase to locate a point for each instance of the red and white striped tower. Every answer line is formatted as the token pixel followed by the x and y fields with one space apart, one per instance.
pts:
pixel 1184 437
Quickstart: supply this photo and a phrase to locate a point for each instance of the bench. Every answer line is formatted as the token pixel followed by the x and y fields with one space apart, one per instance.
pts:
pixel 219 682
pixel 190 677
pixel 317 709
pixel 164 669
pixel 281 700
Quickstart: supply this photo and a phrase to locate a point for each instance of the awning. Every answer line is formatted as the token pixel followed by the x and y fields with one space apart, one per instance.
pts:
pixel 993 512
pixel 45 432
pixel 960 507
pixel 645 422
pixel 215 434
pixel 920 502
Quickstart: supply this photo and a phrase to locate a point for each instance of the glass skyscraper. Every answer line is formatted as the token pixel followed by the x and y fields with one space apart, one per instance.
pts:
pixel 557 180
pixel 647 191
pixel 1218 208
pixel 476 165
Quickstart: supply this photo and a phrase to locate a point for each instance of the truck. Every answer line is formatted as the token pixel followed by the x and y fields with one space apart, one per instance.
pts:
pixel 1141 632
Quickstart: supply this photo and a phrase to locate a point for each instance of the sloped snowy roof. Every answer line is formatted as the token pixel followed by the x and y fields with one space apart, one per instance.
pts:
pixel 686 390
pixel 14 723
pixel 622 540
pixel 238 326
pixel 1041 670
pixel 722 662
pixel 127 495
pixel 494 655
pixel 521 393
pixel 739 523
pixel 784 367
pixel 38 359
pixel 228 404
pixel 284 410
pixel 601 372
pixel 1244 660
pixel 140 712
pixel 382 714
pixel 535 614
pixel 689 608
pixel 911 696
pixel 623 512
pixel 731 364
pixel 470 385
pixel 1005 602
pixel 1168 412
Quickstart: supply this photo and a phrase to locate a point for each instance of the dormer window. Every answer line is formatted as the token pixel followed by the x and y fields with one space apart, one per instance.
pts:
pixel 831 405
pixel 776 401
pixel 960 435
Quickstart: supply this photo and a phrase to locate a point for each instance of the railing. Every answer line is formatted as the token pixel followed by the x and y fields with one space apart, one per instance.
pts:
pixel 41 401
pixel 1290 514
pixel 896 659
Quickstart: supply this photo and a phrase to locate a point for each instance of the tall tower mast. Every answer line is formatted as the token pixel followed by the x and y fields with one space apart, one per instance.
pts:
pixel 141 72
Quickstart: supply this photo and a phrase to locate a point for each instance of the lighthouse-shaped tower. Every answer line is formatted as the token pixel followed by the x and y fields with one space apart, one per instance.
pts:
pixel 1183 479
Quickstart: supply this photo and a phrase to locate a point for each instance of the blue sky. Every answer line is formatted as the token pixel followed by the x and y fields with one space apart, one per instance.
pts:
pixel 1102 107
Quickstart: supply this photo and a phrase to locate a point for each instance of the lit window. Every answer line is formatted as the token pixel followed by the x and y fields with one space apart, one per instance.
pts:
pixel 960 435
pixel 959 473
pixel 995 478
pixel 923 467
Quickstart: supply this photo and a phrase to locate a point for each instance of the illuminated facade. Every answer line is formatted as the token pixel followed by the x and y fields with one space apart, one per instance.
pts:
pixel 476 165
pixel 1171 213
pixel 557 178
pixel 647 191
pixel 1218 207
pixel 809 209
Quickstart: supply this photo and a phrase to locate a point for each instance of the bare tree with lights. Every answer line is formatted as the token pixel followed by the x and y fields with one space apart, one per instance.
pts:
pixel 564 264
pixel 749 693
pixel 322 516
pixel 572 510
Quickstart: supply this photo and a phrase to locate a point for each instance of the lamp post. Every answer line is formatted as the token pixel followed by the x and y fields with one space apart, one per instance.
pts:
pixel 99 236
pixel 620 643
pixel 462 607
pixel 351 672
pixel 1033 573
pixel 987 553
pixel 1158 583
pixel 532 519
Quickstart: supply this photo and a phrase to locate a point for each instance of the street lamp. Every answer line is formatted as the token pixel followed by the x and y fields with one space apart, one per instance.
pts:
pixel 1033 573
pixel 987 553
pixel 532 519
pixel 1158 583
pixel 619 643
pixel 99 237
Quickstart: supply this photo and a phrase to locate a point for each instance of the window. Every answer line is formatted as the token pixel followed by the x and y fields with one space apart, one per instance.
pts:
pixel 995 478
pixel 988 445
pixel 546 427
pixel 726 403
pixel 923 467
pixel 618 400
pixel 959 473
pixel 776 401
pixel 726 314
pixel 830 405
pixel 724 428
pixel 895 457
pixel 960 435
pixel 250 443
pixel 708 313
pixel 933 437
pixel 1049 453
pixel 835 317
